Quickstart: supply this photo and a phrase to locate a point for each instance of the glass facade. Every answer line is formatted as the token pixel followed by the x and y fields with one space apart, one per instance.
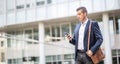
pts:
pixel 21 38
pixel 59 31
pixel 2 57
pixel 15 61
pixel 55 59
pixel 116 56
pixel 19 11
pixel 13 12
pixel 24 60
pixel 2 44
pixel 117 25
pixel 60 59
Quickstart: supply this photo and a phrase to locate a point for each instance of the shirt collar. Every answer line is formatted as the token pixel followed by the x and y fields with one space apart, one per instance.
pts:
pixel 85 22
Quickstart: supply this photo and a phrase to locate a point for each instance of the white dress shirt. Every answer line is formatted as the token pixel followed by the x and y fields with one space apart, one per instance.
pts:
pixel 81 35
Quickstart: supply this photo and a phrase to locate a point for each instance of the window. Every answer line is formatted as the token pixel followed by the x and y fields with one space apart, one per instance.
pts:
pixel 55 59
pixel 48 58
pixel 56 32
pixel 118 52
pixel 111 26
pixel 20 7
pixel 67 56
pixel 114 60
pixel 114 53
pixel 35 34
pixel 9 40
pixel 119 59
pixel 47 33
pixel 15 61
pixel 28 5
pixel 28 35
pixel 73 24
pixel 65 28
pixel 119 55
pixel 32 34
pixel 52 31
pixel 40 3
pixel 9 61
pixel 58 57
pixel 2 57
pixel 2 43
pixel 19 41
pixel 49 1
pixel 116 24
pixel 119 25
pixel 116 56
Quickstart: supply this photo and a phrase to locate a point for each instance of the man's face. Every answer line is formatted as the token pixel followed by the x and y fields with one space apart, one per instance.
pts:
pixel 81 15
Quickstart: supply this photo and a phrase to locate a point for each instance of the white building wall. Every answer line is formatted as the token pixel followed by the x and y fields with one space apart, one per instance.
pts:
pixel 53 10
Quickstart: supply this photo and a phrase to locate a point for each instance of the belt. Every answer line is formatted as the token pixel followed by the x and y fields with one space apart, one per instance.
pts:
pixel 80 51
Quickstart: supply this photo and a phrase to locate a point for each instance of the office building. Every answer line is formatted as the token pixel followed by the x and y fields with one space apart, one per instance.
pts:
pixel 32 31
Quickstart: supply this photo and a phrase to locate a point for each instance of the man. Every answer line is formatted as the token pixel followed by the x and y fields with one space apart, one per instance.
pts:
pixel 80 38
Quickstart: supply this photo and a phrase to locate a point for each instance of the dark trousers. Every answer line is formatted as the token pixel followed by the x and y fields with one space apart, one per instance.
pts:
pixel 82 58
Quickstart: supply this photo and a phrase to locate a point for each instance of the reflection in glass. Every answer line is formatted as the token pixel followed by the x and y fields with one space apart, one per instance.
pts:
pixel 35 34
pixel 49 1
pixel 114 53
pixel 28 35
pixel 117 25
pixel 118 52
pixel 2 57
pixel 114 60
pixel 53 59
pixel 53 32
pixel 67 56
pixel 65 28
pixel 56 32
pixel 73 26
pixel 39 3
pixel 111 30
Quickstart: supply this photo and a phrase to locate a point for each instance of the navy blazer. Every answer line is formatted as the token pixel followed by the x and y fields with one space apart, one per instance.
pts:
pixel 96 38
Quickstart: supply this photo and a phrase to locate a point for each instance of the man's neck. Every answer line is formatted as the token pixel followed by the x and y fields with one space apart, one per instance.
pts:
pixel 84 19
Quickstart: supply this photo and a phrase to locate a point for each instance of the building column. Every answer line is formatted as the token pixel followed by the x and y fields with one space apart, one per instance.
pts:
pixel 41 43
pixel 108 55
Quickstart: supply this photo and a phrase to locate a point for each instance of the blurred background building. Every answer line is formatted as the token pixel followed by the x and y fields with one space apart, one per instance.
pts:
pixel 32 31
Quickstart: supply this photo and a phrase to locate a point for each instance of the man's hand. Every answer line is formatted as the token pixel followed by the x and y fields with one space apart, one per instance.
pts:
pixel 89 53
pixel 69 37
